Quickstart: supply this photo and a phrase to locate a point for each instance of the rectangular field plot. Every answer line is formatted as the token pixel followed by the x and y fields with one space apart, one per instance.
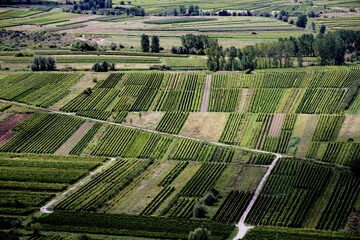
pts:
pixel 183 92
pixel 93 194
pixel 295 187
pixel 118 93
pixel 42 133
pixel 40 89
pixel 139 226
pixel 29 181
pixel 132 143
pixel 186 63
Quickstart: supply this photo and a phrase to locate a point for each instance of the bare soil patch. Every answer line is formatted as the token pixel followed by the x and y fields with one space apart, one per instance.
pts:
pixel 276 124
pixel 205 126
pixel 69 144
pixel 350 128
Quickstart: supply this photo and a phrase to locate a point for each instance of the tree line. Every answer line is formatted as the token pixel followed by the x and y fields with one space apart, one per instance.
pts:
pixel 146 46
pixel 194 44
pixel 330 48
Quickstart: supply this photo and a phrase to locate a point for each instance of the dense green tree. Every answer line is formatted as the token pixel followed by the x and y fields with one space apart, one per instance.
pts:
pixel 113 46
pixel 145 43
pixel 200 234
pixel 103 67
pixel 155 44
pixel 305 44
pixel 322 29
pixel 301 21
pixel 84 46
pixel 41 63
pixel 191 10
pixel 182 10
pixel 216 58
pixel 313 26
pixel 355 166
pixel 210 199
pixel 330 48
pixel 199 210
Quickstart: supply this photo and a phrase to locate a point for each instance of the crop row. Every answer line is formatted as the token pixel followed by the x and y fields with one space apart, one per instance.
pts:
pixel 328 127
pixel 314 77
pixel 94 193
pixel 289 193
pixel 183 92
pixel 186 63
pixel 340 204
pixel 82 144
pixel 334 152
pixel 98 100
pixel 157 201
pixel 261 159
pixel 45 136
pixel 172 122
pixel 203 179
pixel 279 233
pixel 233 207
pixel 96 114
pixel 40 89
pixel 199 151
pixel 174 173
pixel 155 147
pixel 183 208
pixel 139 91
pixel 224 100
pixel 139 226
pixel 111 81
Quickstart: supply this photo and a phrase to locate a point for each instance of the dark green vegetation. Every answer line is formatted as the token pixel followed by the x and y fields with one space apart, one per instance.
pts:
pixel 272 233
pixel 42 133
pixel 295 186
pixel 130 225
pixel 27 182
pixel 40 89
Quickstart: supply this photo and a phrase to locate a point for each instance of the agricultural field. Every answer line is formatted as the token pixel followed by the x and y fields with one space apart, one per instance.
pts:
pixel 156 146
pixel 29 181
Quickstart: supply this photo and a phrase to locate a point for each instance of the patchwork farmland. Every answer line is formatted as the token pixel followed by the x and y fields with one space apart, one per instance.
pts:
pixel 144 120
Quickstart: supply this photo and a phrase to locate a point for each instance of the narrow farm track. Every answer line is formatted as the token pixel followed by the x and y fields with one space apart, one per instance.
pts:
pixel 206 95
pixel 48 207
pixel 241 224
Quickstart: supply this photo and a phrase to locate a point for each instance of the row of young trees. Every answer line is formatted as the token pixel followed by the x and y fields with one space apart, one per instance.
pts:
pixel 330 48
pixel 153 47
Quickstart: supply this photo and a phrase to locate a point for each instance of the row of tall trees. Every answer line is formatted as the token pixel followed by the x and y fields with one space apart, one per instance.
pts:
pixel 330 48
pixel 194 44
pixel 41 63
pixel 153 47
pixel 91 4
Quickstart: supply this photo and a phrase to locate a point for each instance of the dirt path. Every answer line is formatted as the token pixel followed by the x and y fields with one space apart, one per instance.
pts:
pixel 206 95
pixel 69 144
pixel 48 207
pixel 241 224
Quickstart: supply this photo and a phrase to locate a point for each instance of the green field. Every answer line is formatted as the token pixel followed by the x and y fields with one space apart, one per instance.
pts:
pixel 141 154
